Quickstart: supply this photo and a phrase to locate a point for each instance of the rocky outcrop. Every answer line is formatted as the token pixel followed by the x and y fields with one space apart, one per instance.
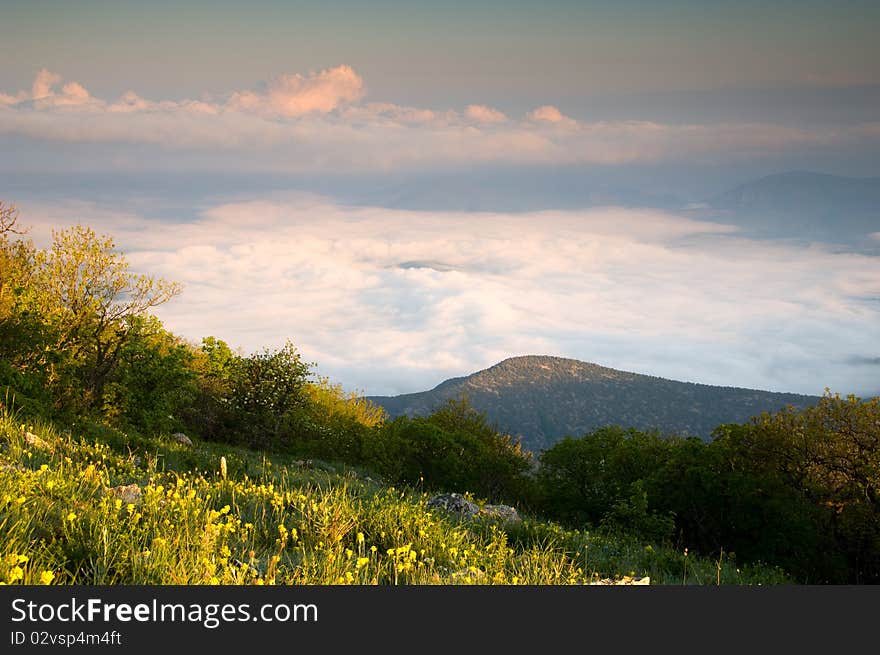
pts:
pixel 461 507
pixel 506 513
pixel 182 439
pixel 454 504
pixel 129 493
pixel 35 441
pixel 625 580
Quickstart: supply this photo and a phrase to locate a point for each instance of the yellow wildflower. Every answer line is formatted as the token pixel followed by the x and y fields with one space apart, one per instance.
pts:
pixel 46 577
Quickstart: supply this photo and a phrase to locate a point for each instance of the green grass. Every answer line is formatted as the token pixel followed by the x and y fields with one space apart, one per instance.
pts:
pixel 275 520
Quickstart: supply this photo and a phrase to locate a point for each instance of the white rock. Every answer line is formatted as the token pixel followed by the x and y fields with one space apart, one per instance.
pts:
pixel 181 438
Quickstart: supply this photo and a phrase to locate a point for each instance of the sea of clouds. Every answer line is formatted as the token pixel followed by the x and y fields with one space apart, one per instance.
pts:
pixel 390 301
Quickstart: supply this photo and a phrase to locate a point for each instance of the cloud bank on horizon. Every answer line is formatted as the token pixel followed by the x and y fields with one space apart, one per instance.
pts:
pixel 392 301
pixel 321 122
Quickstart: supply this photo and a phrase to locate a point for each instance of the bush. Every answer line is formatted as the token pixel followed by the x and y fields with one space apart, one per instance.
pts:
pixel 452 449
pixel 580 480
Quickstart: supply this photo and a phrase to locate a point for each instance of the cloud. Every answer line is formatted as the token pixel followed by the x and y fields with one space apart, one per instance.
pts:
pixel 549 114
pixel 319 122
pixel 44 95
pixel 296 95
pixel 390 113
pixel 484 114
pixel 130 102
pixel 6 99
pixel 390 301
pixel 43 83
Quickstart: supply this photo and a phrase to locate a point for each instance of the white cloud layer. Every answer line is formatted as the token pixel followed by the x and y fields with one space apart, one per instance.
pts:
pixel 319 123
pixel 395 301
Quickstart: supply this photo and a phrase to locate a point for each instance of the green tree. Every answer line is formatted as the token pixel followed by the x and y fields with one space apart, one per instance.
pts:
pixel 84 290
pixel 252 399
pixel 9 219
pixel 24 337
pixel 454 449
pixel 154 381
pixel 824 463
pixel 332 402
pixel 499 462
pixel 209 414
pixel 582 479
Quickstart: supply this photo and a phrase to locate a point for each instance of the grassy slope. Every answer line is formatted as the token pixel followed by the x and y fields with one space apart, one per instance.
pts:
pixel 274 521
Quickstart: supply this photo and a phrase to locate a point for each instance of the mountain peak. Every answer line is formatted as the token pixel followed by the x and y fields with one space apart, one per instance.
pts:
pixel 546 367
pixel 544 398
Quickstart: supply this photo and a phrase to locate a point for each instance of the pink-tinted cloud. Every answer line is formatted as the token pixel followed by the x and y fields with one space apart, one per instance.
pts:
pixel 45 96
pixel 547 114
pixel 6 99
pixel 484 114
pixel 323 119
pixel 43 83
pixel 296 95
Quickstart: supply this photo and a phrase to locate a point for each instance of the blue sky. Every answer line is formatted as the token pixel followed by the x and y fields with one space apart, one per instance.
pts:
pixel 558 161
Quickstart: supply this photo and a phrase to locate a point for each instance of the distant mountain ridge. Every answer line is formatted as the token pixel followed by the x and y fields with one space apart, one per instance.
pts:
pixel 807 205
pixel 544 398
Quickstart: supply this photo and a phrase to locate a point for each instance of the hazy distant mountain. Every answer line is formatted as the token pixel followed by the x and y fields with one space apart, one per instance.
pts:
pixel 545 398
pixel 512 191
pixel 806 205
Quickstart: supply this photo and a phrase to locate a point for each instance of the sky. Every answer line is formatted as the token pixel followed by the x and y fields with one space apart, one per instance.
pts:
pixel 411 191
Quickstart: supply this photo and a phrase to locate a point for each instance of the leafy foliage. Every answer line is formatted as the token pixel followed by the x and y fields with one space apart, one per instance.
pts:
pixel 453 448
pixel 797 488
pixel 154 382
pixel 826 459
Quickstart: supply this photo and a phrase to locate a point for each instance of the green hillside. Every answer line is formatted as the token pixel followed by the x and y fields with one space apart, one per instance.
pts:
pixel 112 508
